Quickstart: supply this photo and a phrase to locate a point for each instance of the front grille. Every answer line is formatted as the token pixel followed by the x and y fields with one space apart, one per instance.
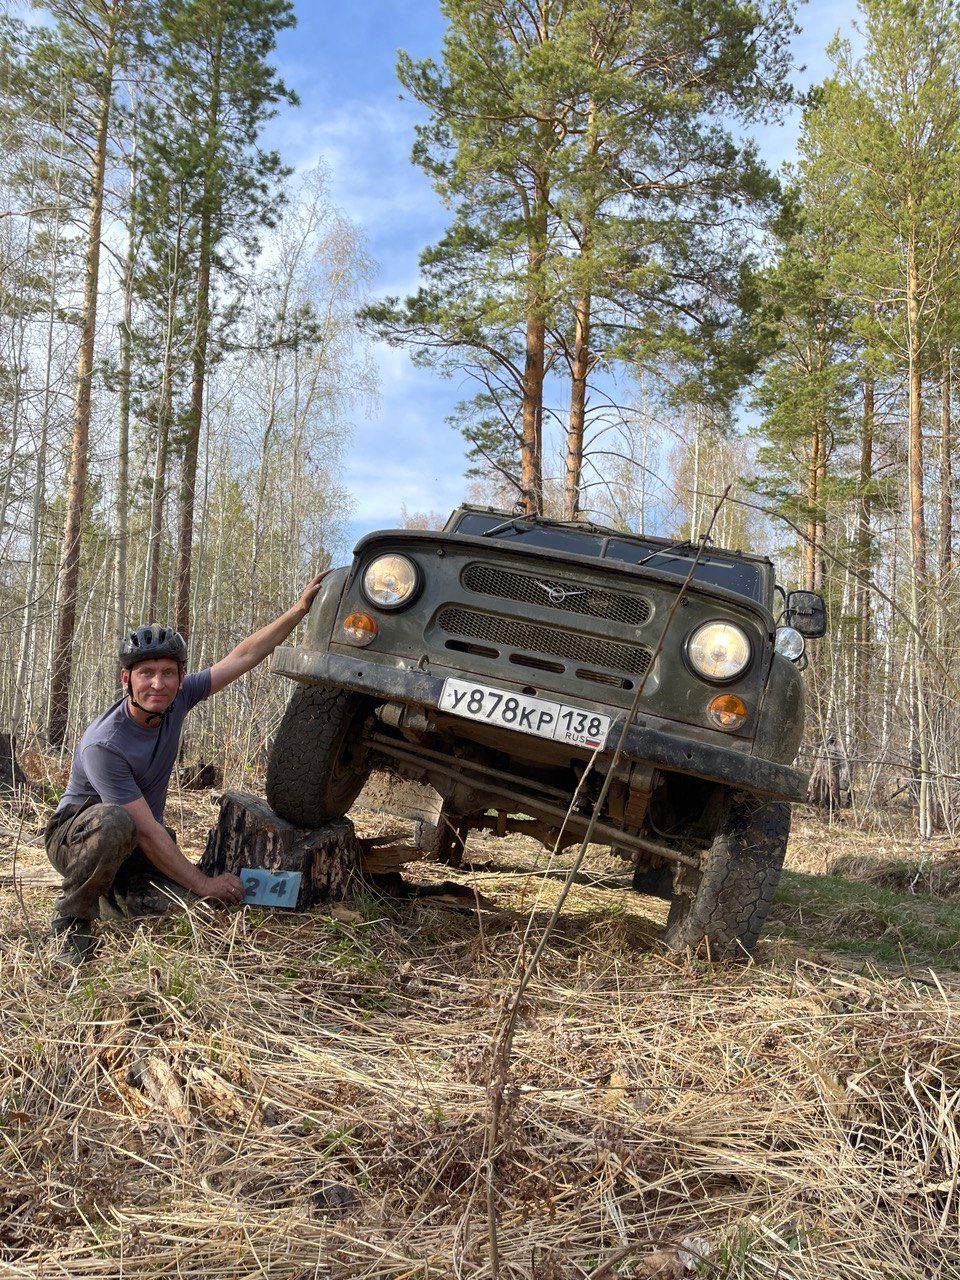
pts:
pixel 572 597
pixel 533 637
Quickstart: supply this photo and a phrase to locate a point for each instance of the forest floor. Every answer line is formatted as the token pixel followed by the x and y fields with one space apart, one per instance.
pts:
pixel 291 1095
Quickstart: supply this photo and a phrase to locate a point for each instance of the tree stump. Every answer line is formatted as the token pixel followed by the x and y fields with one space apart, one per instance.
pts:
pixel 829 785
pixel 249 834
pixel 201 776
pixel 11 775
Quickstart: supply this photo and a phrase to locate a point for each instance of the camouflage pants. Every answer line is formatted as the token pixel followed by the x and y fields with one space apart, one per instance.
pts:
pixel 94 847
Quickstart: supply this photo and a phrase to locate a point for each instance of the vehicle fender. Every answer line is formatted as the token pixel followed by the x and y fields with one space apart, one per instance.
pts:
pixel 326 606
pixel 780 726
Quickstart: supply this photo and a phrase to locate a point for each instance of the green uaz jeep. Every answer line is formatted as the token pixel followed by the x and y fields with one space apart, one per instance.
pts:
pixel 494 659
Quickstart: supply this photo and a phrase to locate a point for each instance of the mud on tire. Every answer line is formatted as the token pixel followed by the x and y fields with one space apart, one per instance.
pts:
pixel 729 907
pixel 317 767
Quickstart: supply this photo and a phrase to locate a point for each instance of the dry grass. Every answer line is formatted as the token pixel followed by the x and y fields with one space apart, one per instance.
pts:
pixel 243 1094
pixel 896 861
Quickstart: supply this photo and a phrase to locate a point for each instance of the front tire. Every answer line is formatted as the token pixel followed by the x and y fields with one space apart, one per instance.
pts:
pixel 317 765
pixel 741 869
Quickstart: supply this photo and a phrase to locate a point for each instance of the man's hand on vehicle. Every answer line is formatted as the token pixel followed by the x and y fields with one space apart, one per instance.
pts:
pixel 225 888
pixel 309 592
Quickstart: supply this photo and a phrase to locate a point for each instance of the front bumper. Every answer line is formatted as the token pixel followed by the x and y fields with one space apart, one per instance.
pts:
pixel 647 745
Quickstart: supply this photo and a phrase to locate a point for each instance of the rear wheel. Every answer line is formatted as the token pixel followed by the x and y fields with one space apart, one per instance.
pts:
pixel 728 907
pixel 318 763
pixel 445 840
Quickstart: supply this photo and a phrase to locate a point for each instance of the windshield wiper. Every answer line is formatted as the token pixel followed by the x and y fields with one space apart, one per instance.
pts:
pixel 508 524
pixel 583 525
pixel 684 547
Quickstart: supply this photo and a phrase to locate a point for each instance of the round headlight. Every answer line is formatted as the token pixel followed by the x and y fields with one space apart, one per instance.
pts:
pixel 390 581
pixel 718 650
pixel 789 643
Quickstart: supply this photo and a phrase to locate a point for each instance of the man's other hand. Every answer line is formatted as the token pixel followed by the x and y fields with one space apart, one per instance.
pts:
pixel 226 888
pixel 309 592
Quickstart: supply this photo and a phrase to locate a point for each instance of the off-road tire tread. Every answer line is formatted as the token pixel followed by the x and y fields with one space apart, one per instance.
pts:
pixel 741 871
pixel 313 725
pixel 428 839
pixel 434 838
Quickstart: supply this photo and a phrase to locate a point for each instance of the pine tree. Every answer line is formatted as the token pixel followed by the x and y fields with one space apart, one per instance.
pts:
pixel 656 197
pixel 579 148
pixel 222 89
pixel 807 393
pixel 499 119
pixel 92 36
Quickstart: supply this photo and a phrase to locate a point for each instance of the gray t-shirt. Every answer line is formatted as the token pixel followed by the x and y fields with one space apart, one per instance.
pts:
pixel 117 761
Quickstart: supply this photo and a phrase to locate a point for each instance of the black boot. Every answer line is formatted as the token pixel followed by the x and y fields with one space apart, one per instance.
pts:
pixel 73 940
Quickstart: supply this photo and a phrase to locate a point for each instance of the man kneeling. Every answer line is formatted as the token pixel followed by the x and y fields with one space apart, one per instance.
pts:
pixel 106 837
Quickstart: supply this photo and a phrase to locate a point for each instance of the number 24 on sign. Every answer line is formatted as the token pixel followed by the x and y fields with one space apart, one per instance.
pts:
pixel 270 888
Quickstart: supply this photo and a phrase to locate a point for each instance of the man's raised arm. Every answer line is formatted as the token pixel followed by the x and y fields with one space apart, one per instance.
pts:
pixel 251 652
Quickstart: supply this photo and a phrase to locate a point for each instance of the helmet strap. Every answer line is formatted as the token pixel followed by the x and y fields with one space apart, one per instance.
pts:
pixel 151 715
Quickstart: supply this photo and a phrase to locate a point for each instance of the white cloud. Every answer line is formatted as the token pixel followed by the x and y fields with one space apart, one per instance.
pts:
pixel 365 147
pixel 380 490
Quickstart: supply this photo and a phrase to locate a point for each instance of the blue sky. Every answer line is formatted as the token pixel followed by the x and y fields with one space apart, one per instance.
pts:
pixel 341 61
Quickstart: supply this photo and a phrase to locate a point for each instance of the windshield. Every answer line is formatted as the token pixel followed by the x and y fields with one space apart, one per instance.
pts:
pixel 733 574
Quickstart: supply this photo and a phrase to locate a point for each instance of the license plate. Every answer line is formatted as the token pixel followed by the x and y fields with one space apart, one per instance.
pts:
pixel 270 888
pixel 526 715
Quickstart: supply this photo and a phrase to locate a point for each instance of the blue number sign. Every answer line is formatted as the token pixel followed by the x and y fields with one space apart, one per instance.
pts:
pixel 270 888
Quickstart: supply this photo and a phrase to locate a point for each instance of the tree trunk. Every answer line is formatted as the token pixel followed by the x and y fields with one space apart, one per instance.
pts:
pixel 17 366
pixel 159 486
pixel 918 536
pixel 918 531
pixel 531 477
pixel 157 495
pixel 811 548
pixel 79 451
pixel 821 530
pixel 945 550
pixel 644 448
pixel 580 366
pixel 123 441
pixel 23 694
pixel 188 474
pixel 573 466
pixel 199 566
pixel 10 464
pixel 272 394
pixel 864 624
pixel 695 478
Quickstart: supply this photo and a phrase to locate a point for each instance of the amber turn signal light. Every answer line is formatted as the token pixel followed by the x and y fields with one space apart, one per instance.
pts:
pixel 726 711
pixel 360 628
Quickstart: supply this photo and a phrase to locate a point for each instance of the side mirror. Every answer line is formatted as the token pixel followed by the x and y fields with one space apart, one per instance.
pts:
pixel 806 613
